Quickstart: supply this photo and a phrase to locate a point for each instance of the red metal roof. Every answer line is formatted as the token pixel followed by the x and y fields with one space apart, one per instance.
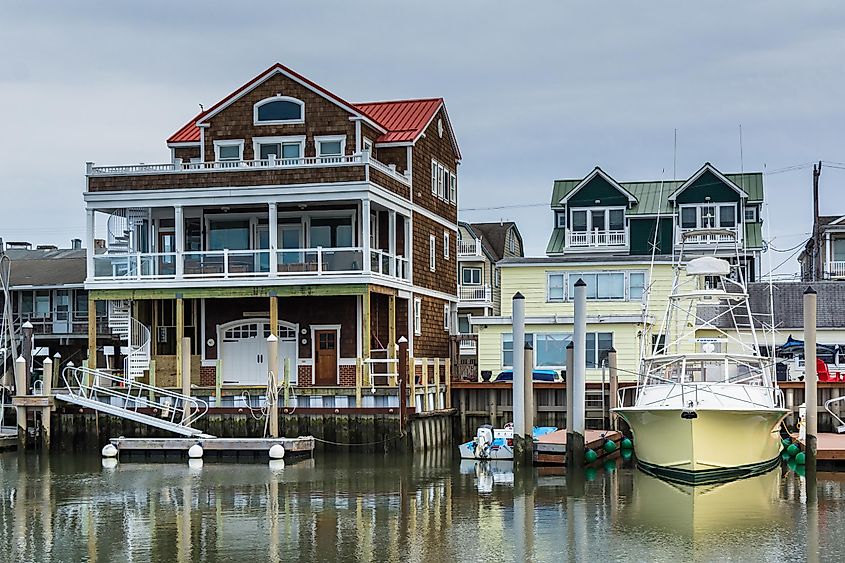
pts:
pixel 403 120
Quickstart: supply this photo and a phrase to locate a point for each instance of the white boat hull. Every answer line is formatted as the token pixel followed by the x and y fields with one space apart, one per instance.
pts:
pixel 704 445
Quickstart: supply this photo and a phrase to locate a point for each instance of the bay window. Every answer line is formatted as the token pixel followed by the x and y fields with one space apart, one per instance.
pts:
pixel 560 286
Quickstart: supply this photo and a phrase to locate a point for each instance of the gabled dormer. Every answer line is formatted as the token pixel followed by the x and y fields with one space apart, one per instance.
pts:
pixel 591 214
pixel 709 200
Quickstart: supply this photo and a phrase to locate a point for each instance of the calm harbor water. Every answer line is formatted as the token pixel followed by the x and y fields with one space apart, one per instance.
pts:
pixel 401 508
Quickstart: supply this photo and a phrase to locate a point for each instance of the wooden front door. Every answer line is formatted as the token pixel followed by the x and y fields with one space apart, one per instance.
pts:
pixel 325 362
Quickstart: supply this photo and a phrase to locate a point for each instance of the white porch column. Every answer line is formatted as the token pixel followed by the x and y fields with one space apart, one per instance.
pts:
pixel 89 244
pixel 828 253
pixel 179 223
pixel 408 242
pixel 391 238
pixel 365 233
pixel 273 230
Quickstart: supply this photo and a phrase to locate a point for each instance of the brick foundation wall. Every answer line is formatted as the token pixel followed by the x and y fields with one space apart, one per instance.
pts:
pixel 304 376
pixel 347 375
pixel 208 376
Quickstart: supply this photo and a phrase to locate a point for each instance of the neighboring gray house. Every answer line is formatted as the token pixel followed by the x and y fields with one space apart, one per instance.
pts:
pixel 828 262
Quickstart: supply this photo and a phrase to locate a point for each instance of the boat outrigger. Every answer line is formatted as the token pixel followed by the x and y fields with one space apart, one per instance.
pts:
pixel 706 410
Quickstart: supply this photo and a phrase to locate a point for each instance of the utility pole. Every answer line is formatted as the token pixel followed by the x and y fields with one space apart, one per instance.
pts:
pixel 817 254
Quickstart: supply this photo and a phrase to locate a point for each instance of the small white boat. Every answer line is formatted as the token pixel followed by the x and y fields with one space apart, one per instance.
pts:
pixel 488 473
pixel 495 443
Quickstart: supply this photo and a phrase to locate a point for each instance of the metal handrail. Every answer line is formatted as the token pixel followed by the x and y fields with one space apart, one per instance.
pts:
pixel 705 387
pixel 134 394
pixel 834 415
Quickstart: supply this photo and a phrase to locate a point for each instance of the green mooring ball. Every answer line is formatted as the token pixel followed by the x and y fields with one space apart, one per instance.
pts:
pixel 590 456
pixel 610 446
pixel 784 455
pixel 786 442
pixel 800 458
pixel 590 473
pixel 627 444
pixel 793 449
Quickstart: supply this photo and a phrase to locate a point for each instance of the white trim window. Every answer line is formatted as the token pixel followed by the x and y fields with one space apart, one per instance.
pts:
pixel 470 275
pixel 591 219
pixel 278 110
pixel 446 246
pixel 550 349
pixel 417 316
pixel 229 150
pixel 444 184
pixel 432 253
pixel 708 216
pixel 511 243
pixel 751 214
pixel 601 286
pixel 560 219
pixel 330 148
pixel 288 149
pixel 453 189
pixel 434 176
pixel 446 317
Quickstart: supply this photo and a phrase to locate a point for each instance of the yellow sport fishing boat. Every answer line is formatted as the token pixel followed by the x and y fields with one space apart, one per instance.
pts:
pixel 706 409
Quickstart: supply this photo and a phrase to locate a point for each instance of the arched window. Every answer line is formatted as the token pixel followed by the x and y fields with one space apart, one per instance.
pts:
pixel 279 109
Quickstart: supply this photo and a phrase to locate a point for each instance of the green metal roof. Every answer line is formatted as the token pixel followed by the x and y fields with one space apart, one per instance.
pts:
pixel 650 195
pixel 557 241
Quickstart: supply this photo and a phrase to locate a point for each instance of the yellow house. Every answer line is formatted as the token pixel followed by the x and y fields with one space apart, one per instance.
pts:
pixel 626 300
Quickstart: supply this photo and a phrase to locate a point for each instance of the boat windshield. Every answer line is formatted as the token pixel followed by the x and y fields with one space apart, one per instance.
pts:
pixel 706 370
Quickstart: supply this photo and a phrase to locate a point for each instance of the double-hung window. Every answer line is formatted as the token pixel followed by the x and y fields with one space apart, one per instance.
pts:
pixel 446 246
pixel 453 189
pixel 417 316
pixel 432 252
pixel 287 149
pixel 446 316
pixel 557 285
pixel 470 276
pixel 598 345
pixel 330 148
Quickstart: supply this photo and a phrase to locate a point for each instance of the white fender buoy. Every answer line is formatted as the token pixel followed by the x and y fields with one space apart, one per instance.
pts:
pixel 109 450
pixel 195 451
pixel 109 462
pixel 195 464
pixel 277 465
pixel 277 451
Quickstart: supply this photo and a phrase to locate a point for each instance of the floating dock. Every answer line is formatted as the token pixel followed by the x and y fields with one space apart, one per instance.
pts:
pixel 8 438
pixel 829 447
pixel 302 446
pixel 550 449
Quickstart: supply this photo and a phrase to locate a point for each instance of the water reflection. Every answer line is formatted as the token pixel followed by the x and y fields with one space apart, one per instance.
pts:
pixel 424 508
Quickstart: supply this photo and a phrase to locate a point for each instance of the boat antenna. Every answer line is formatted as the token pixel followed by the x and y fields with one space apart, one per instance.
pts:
pixel 771 300
pixel 654 244
pixel 741 161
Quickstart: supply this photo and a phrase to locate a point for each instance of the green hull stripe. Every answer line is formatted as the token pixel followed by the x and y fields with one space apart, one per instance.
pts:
pixel 707 476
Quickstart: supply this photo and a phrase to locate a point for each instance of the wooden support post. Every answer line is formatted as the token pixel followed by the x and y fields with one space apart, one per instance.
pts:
pixel 492 406
pixel 180 333
pixel 412 371
pixel 448 383
pixel 462 405
pixel 218 382
pixel 402 368
pixel 286 380
pixel 274 316
pixel 26 349
pixel 186 375
pixel 391 330
pixel 436 382
pixel 47 377
pixel 21 389
pixel 359 380
pixel 152 379
pixel 519 368
pixel 614 387
pixel 92 331
pixel 425 404
pixel 57 369
pixel 366 337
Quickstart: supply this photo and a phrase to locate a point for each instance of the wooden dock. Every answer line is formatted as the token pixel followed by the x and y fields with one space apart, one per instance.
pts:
pixel 829 447
pixel 551 448
pixel 255 447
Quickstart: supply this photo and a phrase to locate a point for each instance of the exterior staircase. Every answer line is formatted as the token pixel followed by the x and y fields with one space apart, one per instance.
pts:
pixel 135 334
pixel 111 394
pixel 122 229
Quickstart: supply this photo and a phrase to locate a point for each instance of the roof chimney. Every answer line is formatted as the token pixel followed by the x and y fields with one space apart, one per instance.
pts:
pixel 76 243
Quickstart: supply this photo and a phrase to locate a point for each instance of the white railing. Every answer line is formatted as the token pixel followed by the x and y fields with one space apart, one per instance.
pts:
pixel 596 238
pixel 475 293
pixel 178 166
pixel 469 247
pixel 468 346
pixel 728 237
pixel 214 264
pixel 131 395
pixel 836 269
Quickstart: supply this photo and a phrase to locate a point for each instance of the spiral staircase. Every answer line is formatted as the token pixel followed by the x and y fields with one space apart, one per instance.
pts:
pixel 135 334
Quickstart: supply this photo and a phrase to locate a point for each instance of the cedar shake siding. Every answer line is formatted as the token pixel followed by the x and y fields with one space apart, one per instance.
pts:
pixel 322 117
pixel 444 278
pixel 432 146
pixel 434 340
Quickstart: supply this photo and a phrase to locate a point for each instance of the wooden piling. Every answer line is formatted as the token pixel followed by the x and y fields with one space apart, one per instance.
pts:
pixel 518 321
pixel 614 386
pixel 92 332
pixel 358 382
pixel 412 370
pixel 810 377
pixel 180 333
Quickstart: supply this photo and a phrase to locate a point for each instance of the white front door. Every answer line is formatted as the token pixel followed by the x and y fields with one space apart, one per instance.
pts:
pixel 243 352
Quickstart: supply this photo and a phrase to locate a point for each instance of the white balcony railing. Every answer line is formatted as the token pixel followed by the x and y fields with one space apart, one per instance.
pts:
pixel 467 346
pixel 726 236
pixel 587 239
pixel 180 167
pixel 253 264
pixel 469 247
pixel 836 269
pixel 480 293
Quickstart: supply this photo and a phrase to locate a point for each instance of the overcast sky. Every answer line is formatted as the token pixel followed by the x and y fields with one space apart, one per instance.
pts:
pixel 536 91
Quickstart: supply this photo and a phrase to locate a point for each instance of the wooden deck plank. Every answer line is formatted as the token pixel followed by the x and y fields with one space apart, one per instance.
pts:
pixel 830 447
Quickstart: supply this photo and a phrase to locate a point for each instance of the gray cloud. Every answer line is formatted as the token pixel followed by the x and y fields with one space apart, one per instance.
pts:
pixel 536 91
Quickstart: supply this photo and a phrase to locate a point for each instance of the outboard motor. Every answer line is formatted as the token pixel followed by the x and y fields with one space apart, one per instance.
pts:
pixel 483 441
